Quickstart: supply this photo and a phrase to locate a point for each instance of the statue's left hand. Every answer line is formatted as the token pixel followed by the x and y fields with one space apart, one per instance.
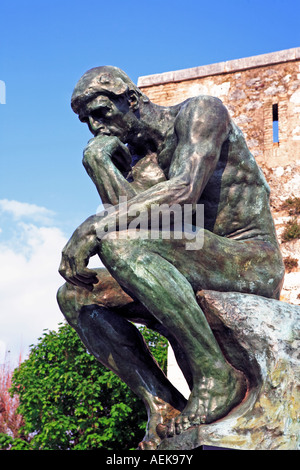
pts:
pixel 75 257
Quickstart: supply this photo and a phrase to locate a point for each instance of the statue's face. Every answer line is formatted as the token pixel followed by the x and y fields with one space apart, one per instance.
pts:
pixel 106 116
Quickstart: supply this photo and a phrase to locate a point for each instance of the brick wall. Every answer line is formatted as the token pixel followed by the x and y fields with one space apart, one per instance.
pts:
pixel 249 88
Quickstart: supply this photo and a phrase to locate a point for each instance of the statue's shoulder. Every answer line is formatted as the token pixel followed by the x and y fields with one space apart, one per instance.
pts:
pixel 206 109
pixel 201 101
pixel 201 104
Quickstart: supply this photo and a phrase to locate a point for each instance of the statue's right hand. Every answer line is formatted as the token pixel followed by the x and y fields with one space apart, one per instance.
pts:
pixel 103 146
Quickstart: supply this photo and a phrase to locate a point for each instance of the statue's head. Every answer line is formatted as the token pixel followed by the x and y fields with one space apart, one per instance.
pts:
pixel 106 80
pixel 108 101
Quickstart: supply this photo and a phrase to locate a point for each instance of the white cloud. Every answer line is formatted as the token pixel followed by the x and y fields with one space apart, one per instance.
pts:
pixel 29 279
pixel 20 210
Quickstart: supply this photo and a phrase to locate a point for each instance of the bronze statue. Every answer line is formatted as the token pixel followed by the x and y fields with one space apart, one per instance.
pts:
pixel 190 153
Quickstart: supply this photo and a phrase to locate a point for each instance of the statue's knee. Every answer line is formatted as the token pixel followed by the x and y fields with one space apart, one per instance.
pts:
pixel 65 296
pixel 60 296
pixel 66 301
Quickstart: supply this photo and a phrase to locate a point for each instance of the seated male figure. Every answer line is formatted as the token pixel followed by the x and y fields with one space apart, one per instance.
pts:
pixel 190 153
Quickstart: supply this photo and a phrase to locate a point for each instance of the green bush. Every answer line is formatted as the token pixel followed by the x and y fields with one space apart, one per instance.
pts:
pixel 292 204
pixel 291 231
pixel 70 401
pixel 290 263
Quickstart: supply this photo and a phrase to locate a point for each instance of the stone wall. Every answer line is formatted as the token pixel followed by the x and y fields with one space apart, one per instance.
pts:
pixel 249 88
pixel 257 91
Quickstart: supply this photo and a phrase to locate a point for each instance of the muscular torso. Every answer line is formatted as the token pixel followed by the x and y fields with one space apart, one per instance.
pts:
pixel 236 197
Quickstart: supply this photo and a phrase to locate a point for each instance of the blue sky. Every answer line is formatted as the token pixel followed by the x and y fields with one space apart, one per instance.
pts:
pixel 45 46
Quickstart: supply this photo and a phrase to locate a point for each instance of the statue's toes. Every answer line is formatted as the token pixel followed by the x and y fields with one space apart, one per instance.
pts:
pixel 147 445
pixel 162 430
pixel 166 430
pixel 182 423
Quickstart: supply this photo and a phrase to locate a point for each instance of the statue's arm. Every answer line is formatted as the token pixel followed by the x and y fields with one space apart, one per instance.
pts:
pixel 202 127
pixel 201 130
pixel 104 159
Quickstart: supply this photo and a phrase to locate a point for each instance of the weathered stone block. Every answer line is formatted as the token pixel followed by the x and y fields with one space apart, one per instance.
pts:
pixel 259 336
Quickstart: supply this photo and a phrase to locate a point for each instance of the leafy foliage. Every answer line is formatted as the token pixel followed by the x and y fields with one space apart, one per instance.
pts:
pixel 290 263
pixel 70 401
pixel 292 204
pixel 291 231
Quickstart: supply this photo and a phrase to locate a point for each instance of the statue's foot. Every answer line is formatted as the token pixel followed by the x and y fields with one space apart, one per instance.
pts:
pixel 211 400
pixel 164 413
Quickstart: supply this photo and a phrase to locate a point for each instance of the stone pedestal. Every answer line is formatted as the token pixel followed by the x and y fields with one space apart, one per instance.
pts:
pixel 260 337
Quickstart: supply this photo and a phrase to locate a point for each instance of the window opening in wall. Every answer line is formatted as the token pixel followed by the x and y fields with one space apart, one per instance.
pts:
pixel 275 123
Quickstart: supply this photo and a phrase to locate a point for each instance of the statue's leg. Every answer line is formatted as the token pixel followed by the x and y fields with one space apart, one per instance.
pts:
pixel 108 293
pixel 163 276
pixel 118 345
